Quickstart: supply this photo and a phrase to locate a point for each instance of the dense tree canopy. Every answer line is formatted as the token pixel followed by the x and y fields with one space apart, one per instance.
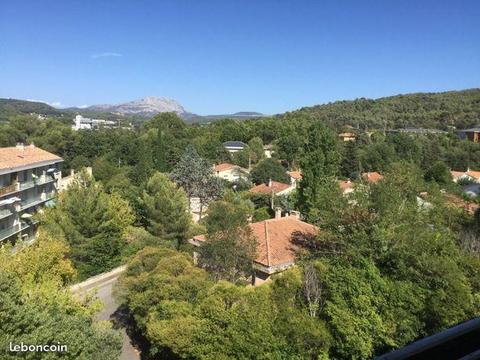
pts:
pixel 35 309
pixel 93 223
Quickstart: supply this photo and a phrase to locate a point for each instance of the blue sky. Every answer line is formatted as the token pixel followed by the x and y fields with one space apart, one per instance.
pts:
pixel 225 56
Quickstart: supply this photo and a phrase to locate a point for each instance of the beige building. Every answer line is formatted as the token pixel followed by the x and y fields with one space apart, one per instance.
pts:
pixel 29 179
pixel 230 172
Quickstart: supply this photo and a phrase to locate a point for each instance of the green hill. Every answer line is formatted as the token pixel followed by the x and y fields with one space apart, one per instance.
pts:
pixel 13 107
pixel 428 110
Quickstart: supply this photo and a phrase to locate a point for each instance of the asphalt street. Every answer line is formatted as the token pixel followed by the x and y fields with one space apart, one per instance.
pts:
pixel 111 312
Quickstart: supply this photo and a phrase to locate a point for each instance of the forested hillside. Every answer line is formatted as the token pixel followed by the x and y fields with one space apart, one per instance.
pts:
pixel 459 109
pixel 12 107
pixel 429 110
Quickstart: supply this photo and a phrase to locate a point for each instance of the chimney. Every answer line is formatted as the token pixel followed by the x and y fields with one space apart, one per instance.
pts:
pixel 295 214
pixel 269 182
pixel 20 146
pixel 278 213
pixel 32 145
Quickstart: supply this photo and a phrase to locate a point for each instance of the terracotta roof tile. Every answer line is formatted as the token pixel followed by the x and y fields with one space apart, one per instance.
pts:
pixel 274 246
pixel 345 184
pixel 457 174
pixel 224 167
pixel 275 187
pixel 295 174
pixel 274 239
pixel 372 177
pixel 13 157
pixel 474 174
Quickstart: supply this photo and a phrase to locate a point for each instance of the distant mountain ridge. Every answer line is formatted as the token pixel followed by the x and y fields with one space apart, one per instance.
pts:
pixel 146 107
pixel 440 110
pixel 152 105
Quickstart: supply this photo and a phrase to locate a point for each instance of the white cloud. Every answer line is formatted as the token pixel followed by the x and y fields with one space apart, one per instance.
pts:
pixel 106 54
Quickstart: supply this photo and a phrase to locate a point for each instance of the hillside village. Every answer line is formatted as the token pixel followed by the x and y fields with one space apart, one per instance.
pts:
pixel 238 222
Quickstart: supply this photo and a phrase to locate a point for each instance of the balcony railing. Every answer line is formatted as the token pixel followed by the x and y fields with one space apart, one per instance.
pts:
pixel 5 213
pixel 8 189
pixel 6 233
pixel 37 200
pixel 18 186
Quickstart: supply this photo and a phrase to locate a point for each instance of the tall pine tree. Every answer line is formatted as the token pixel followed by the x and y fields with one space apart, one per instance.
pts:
pixel 318 193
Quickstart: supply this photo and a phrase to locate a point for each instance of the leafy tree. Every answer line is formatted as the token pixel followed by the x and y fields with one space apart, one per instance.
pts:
pixel 439 173
pixel 160 151
pixel 255 146
pixel 229 254
pixel 92 222
pixel 229 212
pixel 318 192
pixel 195 176
pixel 242 158
pixel 184 314
pixel 36 309
pixel 269 169
pixel 166 209
pixel 350 166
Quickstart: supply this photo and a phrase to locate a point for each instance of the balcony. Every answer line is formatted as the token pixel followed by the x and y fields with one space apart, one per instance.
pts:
pixel 20 186
pixel 40 181
pixel 6 233
pixel 37 200
pixel 5 213
pixel 9 189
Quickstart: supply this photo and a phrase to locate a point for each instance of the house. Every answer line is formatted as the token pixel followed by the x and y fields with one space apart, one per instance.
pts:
pixel 295 177
pixel 473 176
pixel 273 188
pixel 347 186
pixel 230 172
pixel 458 175
pixel 29 178
pixel 347 136
pixel 268 151
pixel 275 250
pixel 472 134
pixel 234 146
pixel 371 177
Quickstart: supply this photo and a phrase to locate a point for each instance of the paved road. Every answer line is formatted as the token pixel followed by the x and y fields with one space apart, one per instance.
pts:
pixel 111 312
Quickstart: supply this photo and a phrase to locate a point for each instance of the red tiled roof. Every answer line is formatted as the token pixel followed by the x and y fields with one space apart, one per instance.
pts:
pixel 275 187
pixel 457 174
pixel 295 174
pixel 474 174
pixel 372 177
pixel 224 167
pixel 13 157
pixel 345 185
pixel 274 246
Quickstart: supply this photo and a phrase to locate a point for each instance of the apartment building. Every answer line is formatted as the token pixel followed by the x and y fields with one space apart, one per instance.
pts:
pixel 28 179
